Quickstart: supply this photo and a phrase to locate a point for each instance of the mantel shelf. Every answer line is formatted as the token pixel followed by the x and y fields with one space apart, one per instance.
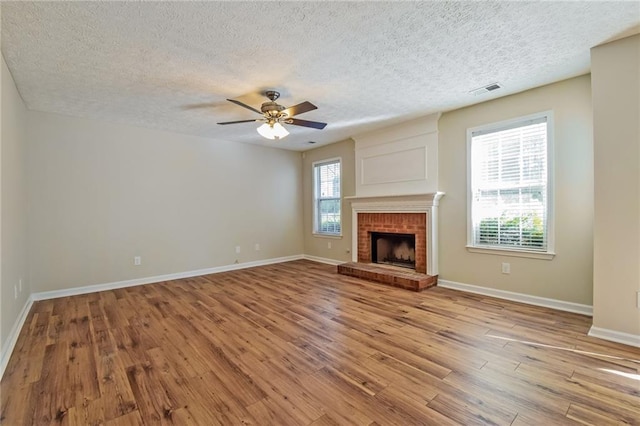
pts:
pixel 432 195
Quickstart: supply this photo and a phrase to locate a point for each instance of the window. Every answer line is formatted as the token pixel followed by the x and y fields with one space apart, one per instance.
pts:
pixel 510 187
pixel 326 203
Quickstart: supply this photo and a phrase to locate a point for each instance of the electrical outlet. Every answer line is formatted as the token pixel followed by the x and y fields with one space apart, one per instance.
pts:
pixel 237 249
pixel 256 247
pixel 638 299
pixel 20 285
pixel 328 244
pixel 137 260
pixel 506 268
pixel 15 292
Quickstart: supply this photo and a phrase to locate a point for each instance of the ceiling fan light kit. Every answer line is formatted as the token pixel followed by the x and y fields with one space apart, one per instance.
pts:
pixel 272 131
pixel 275 115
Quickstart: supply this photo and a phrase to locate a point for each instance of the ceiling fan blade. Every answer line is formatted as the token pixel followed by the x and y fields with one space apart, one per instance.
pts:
pixel 300 109
pixel 244 105
pixel 239 121
pixel 307 123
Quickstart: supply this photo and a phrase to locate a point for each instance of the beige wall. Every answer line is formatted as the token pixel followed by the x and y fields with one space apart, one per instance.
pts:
pixel 315 245
pixel 616 113
pixel 103 193
pixel 568 277
pixel 13 206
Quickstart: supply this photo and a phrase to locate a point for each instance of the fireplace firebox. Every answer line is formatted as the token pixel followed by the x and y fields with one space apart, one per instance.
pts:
pixel 394 249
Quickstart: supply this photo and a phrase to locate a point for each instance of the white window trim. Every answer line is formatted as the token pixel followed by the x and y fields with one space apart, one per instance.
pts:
pixel 547 254
pixel 314 209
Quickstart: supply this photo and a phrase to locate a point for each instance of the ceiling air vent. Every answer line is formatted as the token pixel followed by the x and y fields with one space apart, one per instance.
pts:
pixel 485 89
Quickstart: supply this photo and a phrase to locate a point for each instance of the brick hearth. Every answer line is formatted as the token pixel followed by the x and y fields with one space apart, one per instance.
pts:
pixel 394 276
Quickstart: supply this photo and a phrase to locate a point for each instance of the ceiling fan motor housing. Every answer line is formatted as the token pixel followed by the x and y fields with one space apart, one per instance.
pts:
pixel 272 109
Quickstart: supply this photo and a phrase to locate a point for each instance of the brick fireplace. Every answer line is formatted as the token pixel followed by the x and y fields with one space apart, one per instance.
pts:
pixel 397 223
pixel 415 215
pixel 406 214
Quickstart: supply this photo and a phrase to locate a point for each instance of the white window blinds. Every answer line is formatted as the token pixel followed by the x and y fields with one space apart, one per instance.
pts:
pixel 509 186
pixel 327 197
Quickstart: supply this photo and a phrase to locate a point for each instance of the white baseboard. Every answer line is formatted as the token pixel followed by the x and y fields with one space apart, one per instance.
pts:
pixel 324 260
pixel 615 336
pixel 44 295
pixel 519 297
pixel 12 339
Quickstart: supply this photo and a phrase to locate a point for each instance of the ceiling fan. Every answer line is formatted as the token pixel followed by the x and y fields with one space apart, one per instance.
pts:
pixel 275 115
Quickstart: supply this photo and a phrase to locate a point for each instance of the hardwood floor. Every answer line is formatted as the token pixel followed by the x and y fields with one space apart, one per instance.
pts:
pixel 298 344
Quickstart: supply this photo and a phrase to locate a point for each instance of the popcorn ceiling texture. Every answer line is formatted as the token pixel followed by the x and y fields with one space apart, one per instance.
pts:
pixel 171 65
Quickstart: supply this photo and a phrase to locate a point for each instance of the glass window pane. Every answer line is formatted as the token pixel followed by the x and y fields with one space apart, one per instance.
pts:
pixel 327 197
pixel 509 186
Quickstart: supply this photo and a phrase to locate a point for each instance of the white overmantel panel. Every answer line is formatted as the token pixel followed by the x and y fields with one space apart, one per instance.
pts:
pixel 399 159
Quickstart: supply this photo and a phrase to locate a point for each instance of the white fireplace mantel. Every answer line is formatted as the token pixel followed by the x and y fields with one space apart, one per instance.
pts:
pixel 396 202
pixel 406 203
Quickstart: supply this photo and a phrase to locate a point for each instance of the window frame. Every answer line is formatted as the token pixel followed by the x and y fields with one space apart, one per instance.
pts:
pixel 547 254
pixel 316 199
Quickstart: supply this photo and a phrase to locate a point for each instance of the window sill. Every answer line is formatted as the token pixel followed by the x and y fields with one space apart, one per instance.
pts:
pixel 330 236
pixel 514 253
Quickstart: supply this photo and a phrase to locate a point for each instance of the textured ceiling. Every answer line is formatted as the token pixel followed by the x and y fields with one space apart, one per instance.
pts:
pixel 171 65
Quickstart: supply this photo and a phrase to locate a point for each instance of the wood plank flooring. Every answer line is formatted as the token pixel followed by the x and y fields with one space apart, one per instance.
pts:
pixel 297 344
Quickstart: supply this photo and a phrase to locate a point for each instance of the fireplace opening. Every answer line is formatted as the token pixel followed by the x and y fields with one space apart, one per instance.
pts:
pixel 394 249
